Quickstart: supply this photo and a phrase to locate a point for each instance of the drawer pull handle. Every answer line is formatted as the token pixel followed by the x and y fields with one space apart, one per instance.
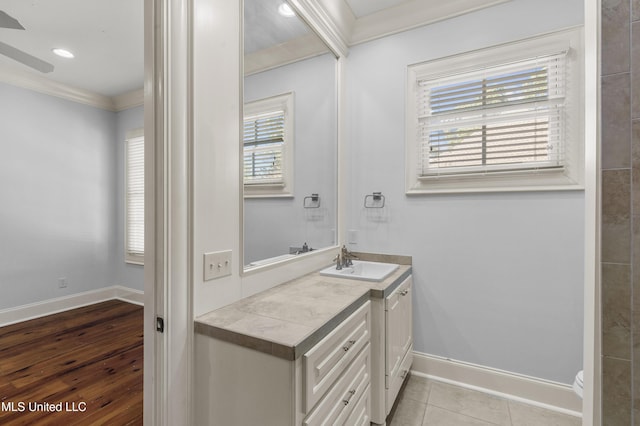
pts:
pixel 347 347
pixel 351 393
pixel 404 292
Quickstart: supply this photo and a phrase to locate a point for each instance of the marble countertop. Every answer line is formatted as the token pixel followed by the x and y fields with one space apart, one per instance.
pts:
pixel 289 319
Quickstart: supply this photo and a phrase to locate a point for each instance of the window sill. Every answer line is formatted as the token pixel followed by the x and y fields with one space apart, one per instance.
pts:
pixel 137 260
pixel 542 181
pixel 268 191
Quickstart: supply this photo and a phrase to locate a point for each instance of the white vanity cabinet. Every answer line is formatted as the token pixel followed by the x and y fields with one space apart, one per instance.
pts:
pixel 399 344
pixel 392 347
pixel 328 384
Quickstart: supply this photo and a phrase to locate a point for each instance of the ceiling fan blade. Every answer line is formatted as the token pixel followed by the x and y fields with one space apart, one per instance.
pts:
pixel 7 21
pixel 25 58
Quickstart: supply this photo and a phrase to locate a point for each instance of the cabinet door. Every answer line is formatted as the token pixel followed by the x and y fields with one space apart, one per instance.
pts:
pixel 399 328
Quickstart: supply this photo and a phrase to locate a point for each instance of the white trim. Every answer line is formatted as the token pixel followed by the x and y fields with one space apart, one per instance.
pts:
pixel 570 178
pixel 411 15
pixel 307 46
pixel 134 133
pixel 285 102
pixel 73 301
pixel 322 23
pixel 124 101
pixel 40 84
pixel 592 403
pixel 130 295
pixel 529 390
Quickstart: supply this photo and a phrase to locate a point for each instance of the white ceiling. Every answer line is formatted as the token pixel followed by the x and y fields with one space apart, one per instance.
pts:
pixel 265 27
pixel 105 35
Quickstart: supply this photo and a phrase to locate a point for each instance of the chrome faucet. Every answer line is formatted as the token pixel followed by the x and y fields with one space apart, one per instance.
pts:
pixel 344 259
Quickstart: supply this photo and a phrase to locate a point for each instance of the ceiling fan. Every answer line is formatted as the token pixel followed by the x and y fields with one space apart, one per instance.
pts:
pixel 7 21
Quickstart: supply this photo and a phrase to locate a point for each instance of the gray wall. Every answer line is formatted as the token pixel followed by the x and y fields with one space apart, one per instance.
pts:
pixel 271 225
pixel 61 173
pixel 498 276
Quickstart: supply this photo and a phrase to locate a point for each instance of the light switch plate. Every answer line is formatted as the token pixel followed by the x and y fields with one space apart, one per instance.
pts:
pixel 217 264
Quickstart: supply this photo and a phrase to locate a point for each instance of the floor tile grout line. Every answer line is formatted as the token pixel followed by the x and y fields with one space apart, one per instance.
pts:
pixel 509 411
pixel 465 415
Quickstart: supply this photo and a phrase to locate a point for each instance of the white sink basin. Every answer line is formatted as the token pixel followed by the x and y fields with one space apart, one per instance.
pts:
pixel 362 270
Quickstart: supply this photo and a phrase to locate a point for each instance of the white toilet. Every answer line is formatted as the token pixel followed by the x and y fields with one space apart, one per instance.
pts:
pixel 578 383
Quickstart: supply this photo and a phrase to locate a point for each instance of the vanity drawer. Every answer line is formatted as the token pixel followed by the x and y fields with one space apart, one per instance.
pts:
pixel 326 361
pixel 345 396
pixel 395 381
pixel 361 414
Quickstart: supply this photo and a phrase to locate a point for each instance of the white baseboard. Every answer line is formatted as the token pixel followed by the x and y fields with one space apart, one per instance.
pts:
pixel 129 295
pixel 529 390
pixel 60 304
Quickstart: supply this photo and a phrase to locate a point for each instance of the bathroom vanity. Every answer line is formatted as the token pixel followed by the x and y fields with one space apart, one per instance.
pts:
pixel 317 350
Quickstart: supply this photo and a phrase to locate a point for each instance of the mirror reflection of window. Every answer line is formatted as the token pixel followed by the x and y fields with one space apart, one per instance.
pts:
pixel 268 146
pixel 289 145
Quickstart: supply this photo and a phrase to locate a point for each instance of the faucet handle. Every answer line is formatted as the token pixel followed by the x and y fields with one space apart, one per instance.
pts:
pixel 338 260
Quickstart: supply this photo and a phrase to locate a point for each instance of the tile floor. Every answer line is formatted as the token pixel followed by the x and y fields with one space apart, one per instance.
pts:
pixel 425 402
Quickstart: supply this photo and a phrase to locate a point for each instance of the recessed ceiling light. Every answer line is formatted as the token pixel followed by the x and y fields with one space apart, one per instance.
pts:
pixel 285 10
pixel 63 53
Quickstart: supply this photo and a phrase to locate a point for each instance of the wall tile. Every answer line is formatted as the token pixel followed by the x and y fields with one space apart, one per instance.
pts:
pixel 616 310
pixel 635 70
pixel 635 143
pixel 616 217
pixel 635 164
pixel 635 319
pixel 616 126
pixel 616 392
pixel 615 36
pixel 636 372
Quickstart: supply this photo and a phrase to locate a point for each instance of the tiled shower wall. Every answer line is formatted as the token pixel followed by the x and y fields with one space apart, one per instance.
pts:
pixel 620 212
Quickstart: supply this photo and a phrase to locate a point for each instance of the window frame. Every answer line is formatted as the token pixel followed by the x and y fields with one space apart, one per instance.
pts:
pixel 284 102
pixel 132 136
pixel 571 177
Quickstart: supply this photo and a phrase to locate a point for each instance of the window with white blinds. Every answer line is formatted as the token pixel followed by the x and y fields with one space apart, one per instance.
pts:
pixel 268 147
pixel 264 146
pixel 134 215
pixel 507 117
pixel 510 117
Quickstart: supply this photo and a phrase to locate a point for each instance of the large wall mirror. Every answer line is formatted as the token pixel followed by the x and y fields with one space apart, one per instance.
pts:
pixel 290 136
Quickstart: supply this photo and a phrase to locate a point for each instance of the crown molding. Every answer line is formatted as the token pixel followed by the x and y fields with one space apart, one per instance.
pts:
pixel 396 19
pixel 410 15
pixel 132 99
pixel 40 84
pixel 333 20
pixel 319 19
pixel 285 53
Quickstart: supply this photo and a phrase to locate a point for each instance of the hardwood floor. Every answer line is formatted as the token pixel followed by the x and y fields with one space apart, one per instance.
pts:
pixel 86 362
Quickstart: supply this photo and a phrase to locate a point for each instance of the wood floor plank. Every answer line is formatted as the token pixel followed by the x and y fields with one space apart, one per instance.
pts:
pixel 19 356
pixel 31 329
pixel 91 355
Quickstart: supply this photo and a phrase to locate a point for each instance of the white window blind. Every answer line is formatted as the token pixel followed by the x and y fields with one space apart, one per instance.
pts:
pixel 264 145
pixel 502 118
pixel 134 199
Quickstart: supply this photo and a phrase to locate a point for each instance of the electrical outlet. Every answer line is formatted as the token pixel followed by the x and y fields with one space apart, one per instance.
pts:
pixel 217 265
pixel 62 282
pixel 352 236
